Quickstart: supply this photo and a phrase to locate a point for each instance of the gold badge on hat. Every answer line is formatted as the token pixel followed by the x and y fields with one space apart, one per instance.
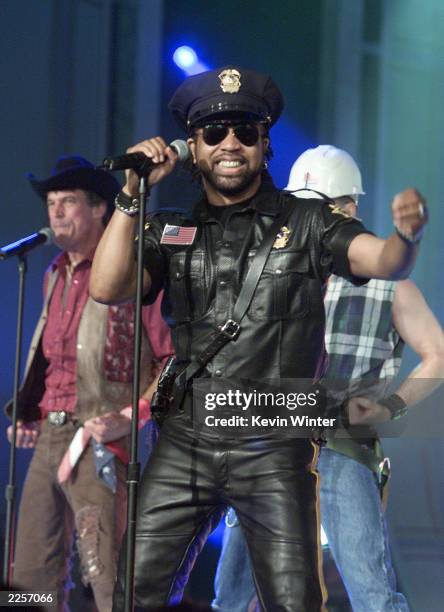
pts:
pixel 282 238
pixel 230 80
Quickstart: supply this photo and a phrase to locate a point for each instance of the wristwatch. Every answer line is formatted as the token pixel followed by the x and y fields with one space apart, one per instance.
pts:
pixel 396 405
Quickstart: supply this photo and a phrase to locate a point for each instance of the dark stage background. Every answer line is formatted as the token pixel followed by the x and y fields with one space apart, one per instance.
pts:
pixel 94 76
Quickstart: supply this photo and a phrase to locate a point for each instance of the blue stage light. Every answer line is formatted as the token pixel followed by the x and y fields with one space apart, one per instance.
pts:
pixel 185 57
pixel 215 538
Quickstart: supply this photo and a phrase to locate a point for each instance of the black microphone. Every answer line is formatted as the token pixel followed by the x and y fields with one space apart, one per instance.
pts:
pixel 140 162
pixel 22 246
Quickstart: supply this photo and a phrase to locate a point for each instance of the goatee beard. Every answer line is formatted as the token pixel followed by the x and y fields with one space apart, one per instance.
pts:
pixel 228 186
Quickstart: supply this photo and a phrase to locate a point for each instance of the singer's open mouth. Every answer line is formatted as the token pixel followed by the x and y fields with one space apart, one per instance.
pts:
pixel 229 166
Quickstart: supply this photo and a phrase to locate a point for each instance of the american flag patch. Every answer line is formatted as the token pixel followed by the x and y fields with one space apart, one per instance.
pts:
pixel 176 234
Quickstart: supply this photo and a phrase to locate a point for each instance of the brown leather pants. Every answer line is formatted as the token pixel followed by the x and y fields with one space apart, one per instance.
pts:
pixel 49 513
pixel 185 488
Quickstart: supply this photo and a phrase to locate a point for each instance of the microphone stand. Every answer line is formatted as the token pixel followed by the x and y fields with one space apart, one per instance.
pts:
pixel 134 465
pixel 10 491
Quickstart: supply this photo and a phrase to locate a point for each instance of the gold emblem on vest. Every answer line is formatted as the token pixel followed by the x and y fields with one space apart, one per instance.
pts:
pixel 337 210
pixel 230 80
pixel 282 238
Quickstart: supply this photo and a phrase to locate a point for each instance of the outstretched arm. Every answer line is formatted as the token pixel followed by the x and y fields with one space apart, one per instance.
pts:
pixel 391 259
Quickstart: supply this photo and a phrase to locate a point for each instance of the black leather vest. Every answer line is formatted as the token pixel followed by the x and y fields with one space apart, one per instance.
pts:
pixel 282 335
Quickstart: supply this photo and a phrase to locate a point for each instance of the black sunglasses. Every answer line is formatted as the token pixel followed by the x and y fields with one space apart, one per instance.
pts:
pixel 246 133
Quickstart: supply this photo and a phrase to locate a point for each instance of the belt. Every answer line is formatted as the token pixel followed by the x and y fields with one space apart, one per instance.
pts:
pixel 57 418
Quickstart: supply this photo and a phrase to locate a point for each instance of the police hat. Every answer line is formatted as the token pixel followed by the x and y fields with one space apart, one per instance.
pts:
pixel 76 172
pixel 228 90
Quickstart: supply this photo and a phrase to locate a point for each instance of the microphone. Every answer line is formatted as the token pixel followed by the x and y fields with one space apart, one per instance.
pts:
pixel 22 246
pixel 140 162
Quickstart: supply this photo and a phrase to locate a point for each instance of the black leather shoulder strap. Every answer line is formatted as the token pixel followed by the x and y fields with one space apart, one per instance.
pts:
pixel 258 264
pixel 231 329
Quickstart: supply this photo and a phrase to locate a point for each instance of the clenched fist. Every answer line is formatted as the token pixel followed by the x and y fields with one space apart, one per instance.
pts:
pixel 26 434
pixel 363 411
pixel 409 213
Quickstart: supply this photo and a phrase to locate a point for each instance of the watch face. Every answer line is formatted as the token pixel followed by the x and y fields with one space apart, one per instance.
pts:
pixel 400 413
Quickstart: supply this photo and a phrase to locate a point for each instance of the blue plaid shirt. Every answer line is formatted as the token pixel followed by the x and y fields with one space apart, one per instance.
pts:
pixel 361 340
pixel 364 349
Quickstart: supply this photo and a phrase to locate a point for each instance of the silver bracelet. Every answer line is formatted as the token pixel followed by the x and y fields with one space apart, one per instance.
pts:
pixel 127 204
pixel 396 405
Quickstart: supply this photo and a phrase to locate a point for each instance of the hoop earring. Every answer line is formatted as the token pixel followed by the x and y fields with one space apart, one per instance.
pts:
pixel 265 165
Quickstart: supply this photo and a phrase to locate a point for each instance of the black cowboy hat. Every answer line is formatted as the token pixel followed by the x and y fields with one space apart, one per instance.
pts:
pixel 76 172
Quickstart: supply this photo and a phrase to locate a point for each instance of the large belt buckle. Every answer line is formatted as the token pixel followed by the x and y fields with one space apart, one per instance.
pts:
pixel 230 328
pixel 57 418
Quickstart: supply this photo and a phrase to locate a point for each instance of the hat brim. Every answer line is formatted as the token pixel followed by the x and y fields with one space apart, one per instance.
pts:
pixel 89 179
pixel 228 117
pixel 238 104
pixel 306 194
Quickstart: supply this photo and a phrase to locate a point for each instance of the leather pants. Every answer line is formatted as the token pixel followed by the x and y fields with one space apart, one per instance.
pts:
pixel 186 486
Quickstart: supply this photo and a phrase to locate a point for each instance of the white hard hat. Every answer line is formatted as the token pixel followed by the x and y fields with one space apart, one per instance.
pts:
pixel 327 170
